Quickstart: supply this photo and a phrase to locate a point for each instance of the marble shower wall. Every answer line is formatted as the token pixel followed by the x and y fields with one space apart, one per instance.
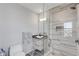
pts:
pixel 27 42
pixel 63 45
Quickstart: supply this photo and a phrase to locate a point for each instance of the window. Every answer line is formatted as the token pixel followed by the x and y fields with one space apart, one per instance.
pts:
pixel 68 29
pixel 68 25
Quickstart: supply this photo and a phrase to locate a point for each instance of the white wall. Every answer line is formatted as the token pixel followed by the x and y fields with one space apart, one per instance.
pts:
pixel 15 19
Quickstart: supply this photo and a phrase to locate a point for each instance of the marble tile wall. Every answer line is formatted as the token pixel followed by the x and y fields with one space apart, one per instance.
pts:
pixel 61 45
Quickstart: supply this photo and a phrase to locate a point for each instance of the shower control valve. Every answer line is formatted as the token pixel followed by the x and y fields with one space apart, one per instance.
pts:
pixel 77 41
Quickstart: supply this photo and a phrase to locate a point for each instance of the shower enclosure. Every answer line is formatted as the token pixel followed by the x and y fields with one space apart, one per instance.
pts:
pixel 63 30
pixel 62 25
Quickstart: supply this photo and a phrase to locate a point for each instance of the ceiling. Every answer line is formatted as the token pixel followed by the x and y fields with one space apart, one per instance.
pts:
pixel 38 7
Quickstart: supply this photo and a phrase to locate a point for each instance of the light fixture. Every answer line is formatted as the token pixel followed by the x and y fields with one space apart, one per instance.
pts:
pixel 43 19
pixel 40 10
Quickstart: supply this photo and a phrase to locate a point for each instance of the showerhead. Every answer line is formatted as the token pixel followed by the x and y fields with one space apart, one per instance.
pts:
pixel 73 8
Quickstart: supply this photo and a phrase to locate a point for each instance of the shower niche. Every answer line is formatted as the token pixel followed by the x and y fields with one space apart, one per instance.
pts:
pixel 59 28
